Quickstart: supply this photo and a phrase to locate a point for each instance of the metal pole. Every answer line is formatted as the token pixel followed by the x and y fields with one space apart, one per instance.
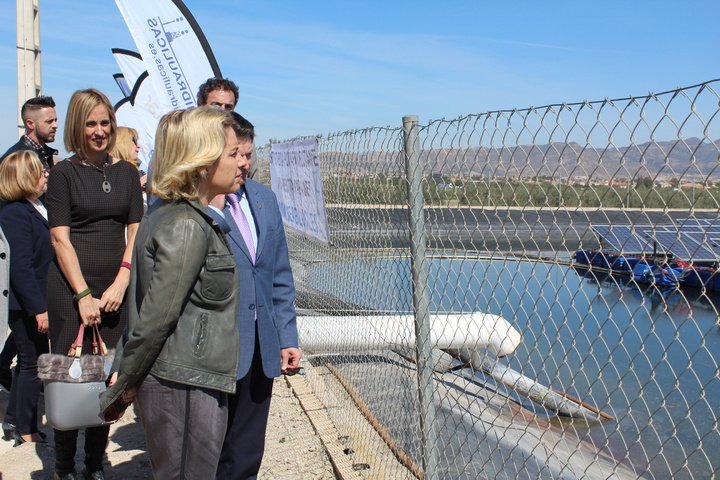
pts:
pixel 29 83
pixel 423 347
pixel 488 187
pixel 559 186
pixel 627 195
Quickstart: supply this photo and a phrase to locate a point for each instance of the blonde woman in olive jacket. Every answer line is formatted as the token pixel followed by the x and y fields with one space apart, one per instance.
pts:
pixel 182 349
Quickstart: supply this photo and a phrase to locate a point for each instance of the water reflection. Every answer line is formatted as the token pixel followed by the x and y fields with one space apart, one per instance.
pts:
pixel 676 300
pixel 647 356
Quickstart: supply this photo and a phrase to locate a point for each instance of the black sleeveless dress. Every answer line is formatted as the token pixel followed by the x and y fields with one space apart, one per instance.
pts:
pixel 97 222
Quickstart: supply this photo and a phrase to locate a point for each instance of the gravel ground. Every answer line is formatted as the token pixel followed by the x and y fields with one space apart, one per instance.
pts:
pixel 293 450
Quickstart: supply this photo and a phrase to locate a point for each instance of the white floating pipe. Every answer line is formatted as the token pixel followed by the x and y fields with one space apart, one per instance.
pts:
pixel 320 334
pixel 552 399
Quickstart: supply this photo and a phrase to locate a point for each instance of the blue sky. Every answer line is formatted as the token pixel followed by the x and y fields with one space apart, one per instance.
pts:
pixel 317 67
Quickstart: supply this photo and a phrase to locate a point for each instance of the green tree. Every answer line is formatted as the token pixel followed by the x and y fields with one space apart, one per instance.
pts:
pixel 644 182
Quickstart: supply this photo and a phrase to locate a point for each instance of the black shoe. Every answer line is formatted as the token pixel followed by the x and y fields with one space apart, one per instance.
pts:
pixel 6 378
pixel 19 440
pixel 8 431
pixel 99 475
pixel 68 476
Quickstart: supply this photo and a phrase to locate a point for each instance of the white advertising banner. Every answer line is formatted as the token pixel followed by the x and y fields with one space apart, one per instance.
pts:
pixel 141 112
pixel 139 109
pixel 175 51
pixel 122 84
pixel 131 65
pixel 297 183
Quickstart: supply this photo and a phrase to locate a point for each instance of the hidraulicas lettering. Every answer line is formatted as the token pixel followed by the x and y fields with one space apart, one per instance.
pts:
pixel 174 81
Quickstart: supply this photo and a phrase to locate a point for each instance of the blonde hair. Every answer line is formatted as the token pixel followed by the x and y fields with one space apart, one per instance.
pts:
pixel 186 142
pixel 19 175
pixel 125 141
pixel 81 104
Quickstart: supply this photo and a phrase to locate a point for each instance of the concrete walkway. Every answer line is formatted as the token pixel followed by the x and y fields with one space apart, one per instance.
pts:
pixel 293 449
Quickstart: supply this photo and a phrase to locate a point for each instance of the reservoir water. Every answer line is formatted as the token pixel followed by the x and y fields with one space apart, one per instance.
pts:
pixel 648 357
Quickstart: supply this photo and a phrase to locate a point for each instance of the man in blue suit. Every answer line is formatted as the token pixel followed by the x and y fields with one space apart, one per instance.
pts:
pixel 266 311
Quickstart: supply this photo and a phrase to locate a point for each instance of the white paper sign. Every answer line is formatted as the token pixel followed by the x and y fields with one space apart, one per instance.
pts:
pixel 297 183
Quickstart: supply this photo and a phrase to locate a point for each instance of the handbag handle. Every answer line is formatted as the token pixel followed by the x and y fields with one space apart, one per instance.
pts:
pixel 98 342
pixel 99 347
pixel 76 347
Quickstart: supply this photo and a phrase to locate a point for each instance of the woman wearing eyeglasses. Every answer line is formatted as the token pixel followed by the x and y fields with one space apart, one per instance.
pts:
pixel 127 145
pixel 24 221
pixel 127 148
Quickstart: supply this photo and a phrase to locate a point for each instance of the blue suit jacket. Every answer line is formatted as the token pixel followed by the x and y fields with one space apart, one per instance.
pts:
pixel 31 252
pixel 266 287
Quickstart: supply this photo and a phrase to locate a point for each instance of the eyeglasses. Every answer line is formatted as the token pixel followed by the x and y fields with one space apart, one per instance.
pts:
pixel 224 106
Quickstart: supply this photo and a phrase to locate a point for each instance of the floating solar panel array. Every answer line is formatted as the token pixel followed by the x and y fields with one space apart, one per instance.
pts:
pixel 624 238
pixel 691 240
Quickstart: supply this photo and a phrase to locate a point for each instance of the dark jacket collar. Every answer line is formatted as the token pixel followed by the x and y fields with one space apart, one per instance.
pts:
pixel 46 152
pixel 32 210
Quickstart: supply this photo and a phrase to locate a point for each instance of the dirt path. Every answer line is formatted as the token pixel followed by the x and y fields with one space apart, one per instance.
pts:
pixel 292 448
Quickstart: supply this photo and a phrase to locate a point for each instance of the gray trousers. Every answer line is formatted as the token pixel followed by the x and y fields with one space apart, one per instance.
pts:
pixel 184 428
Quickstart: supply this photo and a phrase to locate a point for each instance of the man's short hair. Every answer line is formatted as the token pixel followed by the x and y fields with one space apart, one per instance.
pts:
pixel 213 84
pixel 34 104
pixel 242 126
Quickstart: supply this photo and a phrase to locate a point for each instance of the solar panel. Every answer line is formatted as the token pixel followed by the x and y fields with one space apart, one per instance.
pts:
pixel 696 240
pixel 623 238
pixel 706 225
pixel 714 241
pixel 687 245
pixel 705 249
pixel 672 242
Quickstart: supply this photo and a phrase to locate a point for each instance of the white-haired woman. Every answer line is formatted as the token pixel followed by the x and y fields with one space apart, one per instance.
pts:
pixel 182 348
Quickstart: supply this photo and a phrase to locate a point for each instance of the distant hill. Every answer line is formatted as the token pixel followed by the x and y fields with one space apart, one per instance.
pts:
pixel 689 159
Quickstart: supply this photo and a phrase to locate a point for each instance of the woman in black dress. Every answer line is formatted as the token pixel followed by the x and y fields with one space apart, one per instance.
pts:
pixel 92 204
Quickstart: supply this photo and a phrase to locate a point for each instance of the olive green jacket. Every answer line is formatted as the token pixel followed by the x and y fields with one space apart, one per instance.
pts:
pixel 182 302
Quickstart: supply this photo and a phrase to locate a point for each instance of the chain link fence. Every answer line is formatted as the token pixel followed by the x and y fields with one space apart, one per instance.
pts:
pixel 521 215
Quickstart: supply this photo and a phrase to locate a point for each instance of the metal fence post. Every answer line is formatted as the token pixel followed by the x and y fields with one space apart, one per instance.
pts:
pixel 423 346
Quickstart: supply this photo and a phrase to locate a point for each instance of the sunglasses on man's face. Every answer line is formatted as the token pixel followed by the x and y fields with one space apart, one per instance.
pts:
pixel 224 106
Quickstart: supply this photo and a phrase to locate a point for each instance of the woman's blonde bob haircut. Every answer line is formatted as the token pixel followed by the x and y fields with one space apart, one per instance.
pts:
pixel 187 142
pixel 125 141
pixel 81 104
pixel 19 175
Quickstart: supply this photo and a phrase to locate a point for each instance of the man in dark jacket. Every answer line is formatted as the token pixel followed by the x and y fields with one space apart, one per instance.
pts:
pixel 40 120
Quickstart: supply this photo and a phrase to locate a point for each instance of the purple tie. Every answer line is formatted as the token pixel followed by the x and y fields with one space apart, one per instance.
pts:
pixel 242 224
